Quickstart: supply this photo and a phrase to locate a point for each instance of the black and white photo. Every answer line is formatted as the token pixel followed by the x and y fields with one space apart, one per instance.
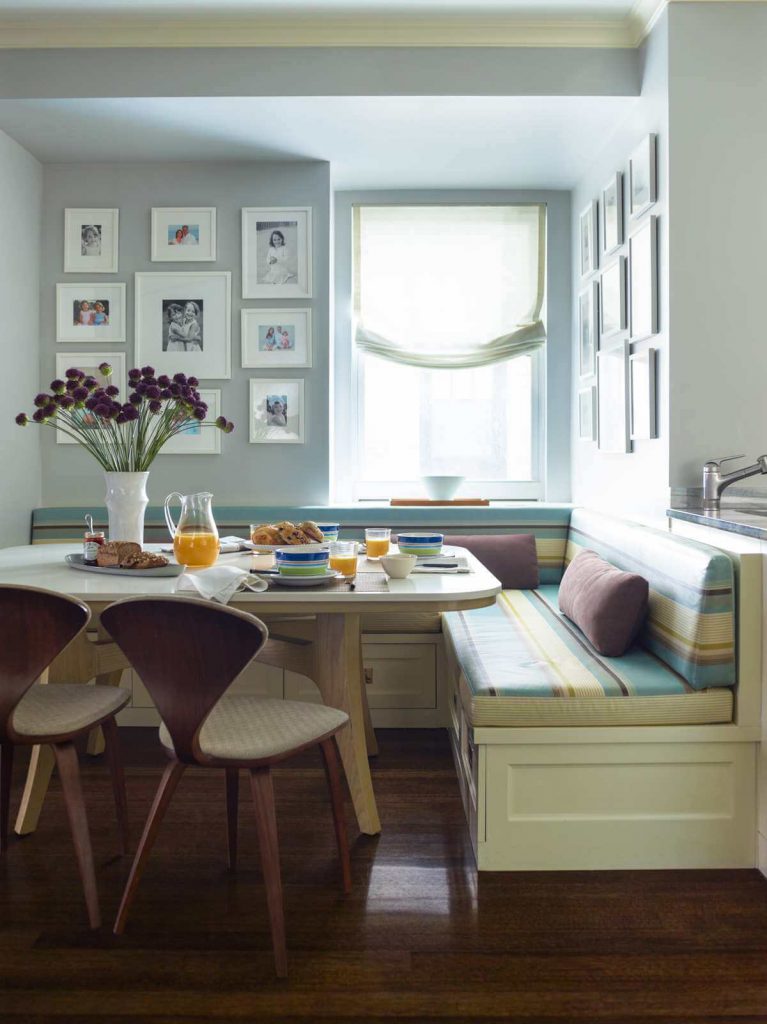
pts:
pixel 276 253
pixel 182 325
pixel 90 240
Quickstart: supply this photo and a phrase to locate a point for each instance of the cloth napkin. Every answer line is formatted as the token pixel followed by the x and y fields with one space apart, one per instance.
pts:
pixel 219 583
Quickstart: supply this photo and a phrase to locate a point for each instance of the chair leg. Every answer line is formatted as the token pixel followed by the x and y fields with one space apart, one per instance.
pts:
pixel 162 798
pixel 232 798
pixel 69 774
pixel 6 774
pixel 112 740
pixel 333 773
pixel 266 825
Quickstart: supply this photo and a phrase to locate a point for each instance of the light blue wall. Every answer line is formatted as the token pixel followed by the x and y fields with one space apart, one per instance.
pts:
pixel 558 302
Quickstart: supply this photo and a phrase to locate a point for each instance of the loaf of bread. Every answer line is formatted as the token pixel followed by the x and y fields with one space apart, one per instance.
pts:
pixel 114 552
pixel 144 560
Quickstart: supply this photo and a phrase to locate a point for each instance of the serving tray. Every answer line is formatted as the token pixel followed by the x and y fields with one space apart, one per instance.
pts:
pixel 76 562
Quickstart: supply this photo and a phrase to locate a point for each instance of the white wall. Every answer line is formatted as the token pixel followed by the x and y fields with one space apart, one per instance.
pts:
pixel 20 214
pixel 636 484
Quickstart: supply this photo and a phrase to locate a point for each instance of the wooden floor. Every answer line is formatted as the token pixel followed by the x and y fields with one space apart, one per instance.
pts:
pixel 421 938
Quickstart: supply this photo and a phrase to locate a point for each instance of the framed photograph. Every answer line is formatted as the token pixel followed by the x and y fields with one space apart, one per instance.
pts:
pixel 612 298
pixel 587 413
pixel 612 214
pixel 589 258
pixel 90 241
pixel 643 176
pixel 643 278
pixel 276 252
pixel 184 234
pixel 195 439
pixel 588 312
pixel 613 398
pixel 183 323
pixel 90 312
pixel 276 337
pixel 89 363
pixel 276 411
pixel 644 425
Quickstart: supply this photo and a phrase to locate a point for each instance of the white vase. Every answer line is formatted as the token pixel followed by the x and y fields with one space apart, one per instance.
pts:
pixel 126 500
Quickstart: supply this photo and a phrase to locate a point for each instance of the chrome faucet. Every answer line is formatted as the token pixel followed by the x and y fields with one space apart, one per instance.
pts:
pixel 714 481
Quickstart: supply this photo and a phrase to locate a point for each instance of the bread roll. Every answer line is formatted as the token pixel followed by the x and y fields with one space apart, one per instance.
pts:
pixel 312 531
pixel 114 552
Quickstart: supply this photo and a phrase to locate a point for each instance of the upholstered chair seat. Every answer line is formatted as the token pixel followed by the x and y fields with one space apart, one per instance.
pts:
pixel 65 708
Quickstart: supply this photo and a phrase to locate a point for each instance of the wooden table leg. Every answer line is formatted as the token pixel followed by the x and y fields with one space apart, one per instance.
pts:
pixel 337 671
pixel 370 734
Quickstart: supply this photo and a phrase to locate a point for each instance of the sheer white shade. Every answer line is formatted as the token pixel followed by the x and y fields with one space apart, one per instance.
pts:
pixel 449 287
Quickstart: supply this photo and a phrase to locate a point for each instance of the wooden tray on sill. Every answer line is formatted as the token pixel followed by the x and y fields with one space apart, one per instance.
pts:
pixel 415 502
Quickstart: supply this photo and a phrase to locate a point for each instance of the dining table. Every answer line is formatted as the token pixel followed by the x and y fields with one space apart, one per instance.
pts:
pixel 316 631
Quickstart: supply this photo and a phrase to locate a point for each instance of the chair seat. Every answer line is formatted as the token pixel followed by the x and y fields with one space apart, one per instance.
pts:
pixel 60 709
pixel 247 728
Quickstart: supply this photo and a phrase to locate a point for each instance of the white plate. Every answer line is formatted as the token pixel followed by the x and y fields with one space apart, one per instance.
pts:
pixel 76 562
pixel 300 581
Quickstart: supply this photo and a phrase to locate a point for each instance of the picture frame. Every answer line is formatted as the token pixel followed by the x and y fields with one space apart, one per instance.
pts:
pixel 91 240
pixel 276 338
pixel 643 176
pixel 183 322
pixel 197 439
pixel 613 433
pixel 642 370
pixel 90 313
pixel 643 280
pixel 612 214
pixel 588 314
pixel 612 298
pixel 587 413
pixel 183 234
pixel 272 401
pixel 277 252
pixel 89 362
pixel 589 234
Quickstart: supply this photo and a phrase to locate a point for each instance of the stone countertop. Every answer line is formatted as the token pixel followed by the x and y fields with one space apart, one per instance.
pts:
pixel 748 520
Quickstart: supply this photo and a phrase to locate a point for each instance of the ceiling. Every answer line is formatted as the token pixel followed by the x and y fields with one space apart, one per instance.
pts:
pixel 370 142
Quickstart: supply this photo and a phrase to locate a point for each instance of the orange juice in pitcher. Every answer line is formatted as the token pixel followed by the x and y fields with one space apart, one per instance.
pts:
pixel 195 539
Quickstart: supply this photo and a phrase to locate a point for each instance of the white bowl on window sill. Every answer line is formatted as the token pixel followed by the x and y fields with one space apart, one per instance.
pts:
pixel 442 488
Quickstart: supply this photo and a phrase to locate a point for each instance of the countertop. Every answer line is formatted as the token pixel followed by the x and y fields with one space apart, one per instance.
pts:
pixel 748 520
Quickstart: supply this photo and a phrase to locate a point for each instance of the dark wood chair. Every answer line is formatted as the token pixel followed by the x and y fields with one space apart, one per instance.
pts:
pixel 187 653
pixel 35 627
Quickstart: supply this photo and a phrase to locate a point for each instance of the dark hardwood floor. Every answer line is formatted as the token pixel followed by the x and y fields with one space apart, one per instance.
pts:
pixel 420 938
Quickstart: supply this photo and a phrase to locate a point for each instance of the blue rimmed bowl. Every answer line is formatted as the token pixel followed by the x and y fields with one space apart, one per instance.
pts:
pixel 329 531
pixel 420 543
pixel 302 563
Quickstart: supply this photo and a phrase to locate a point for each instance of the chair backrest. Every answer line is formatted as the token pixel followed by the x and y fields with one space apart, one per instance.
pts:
pixel 187 653
pixel 35 627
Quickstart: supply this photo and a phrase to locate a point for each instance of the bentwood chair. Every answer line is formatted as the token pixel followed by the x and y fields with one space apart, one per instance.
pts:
pixel 187 653
pixel 35 627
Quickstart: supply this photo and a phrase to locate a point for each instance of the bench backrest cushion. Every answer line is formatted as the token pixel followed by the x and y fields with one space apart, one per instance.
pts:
pixel 691 616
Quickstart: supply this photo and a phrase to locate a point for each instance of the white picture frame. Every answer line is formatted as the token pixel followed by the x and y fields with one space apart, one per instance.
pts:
pixel 642 371
pixel 276 338
pixel 589 235
pixel 196 226
pixel 588 333
pixel 643 176
pixel 613 228
pixel 274 270
pixel 643 280
pixel 263 410
pixel 613 398
pixel 197 439
pixel 587 413
pixel 612 299
pixel 91 240
pixel 89 363
pixel 198 340
pixel 90 313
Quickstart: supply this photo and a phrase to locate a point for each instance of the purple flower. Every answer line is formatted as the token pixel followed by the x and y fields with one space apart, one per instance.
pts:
pixel 74 374
pixel 38 415
pixel 135 399
pixel 199 413
pixel 221 422
pixel 112 391
pixel 166 393
pixel 164 380
pixel 91 403
pixel 130 412
pixel 80 394
pixel 90 383
pixel 50 410
pixel 121 417
pixel 192 382
pixel 41 400
pixel 66 402
pixel 22 419
pixel 175 390
pixel 134 374
pixel 72 384
pixel 155 406
pixel 229 427
pixel 58 387
pixel 147 371
pixel 103 410
pixel 152 391
pixel 105 369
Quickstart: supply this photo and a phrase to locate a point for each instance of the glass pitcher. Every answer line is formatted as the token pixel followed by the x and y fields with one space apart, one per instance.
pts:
pixel 195 539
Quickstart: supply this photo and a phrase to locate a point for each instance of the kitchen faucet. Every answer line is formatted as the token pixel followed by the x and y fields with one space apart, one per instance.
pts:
pixel 714 481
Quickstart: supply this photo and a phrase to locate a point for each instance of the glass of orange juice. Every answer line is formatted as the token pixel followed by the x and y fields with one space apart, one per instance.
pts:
pixel 343 557
pixel 377 541
pixel 195 548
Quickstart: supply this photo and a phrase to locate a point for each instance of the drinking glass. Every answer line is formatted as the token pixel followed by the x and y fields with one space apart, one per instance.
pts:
pixel 377 541
pixel 343 557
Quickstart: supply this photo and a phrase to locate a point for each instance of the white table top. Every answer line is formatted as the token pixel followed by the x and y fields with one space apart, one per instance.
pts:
pixel 42 565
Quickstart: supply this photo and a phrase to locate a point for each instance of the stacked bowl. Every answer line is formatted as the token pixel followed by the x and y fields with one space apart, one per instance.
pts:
pixel 329 531
pixel 420 544
pixel 302 563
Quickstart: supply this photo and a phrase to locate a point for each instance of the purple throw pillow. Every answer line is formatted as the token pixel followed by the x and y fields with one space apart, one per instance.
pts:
pixel 608 605
pixel 511 558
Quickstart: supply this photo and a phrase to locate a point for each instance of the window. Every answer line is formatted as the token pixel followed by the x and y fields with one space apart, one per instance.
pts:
pixel 447 354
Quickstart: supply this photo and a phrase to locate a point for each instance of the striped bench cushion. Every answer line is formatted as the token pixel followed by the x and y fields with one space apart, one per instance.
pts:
pixel 691 617
pixel 524 664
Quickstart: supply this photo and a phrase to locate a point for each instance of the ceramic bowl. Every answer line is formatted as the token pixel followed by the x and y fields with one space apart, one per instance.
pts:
pixel 301 563
pixel 329 531
pixel 420 543
pixel 398 566
pixel 442 488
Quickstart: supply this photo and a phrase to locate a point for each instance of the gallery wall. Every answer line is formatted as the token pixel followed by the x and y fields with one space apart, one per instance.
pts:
pixel 262 474
pixel 21 179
